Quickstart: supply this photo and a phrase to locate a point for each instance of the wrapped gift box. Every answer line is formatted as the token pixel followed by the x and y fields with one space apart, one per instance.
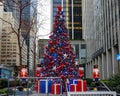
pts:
pixel 81 85
pixel 45 86
pixel 50 83
pixel 36 87
pixel 68 87
pixel 73 87
pixel 77 81
pixel 85 85
pixel 56 89
pixel 71 81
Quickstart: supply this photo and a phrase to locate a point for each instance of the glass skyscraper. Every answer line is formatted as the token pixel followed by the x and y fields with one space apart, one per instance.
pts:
pixel 74 19
pixel 73 16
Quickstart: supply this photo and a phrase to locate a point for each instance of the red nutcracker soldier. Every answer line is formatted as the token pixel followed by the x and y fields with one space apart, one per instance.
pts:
pixel 24 74
pixel 96 73
pixel 81 71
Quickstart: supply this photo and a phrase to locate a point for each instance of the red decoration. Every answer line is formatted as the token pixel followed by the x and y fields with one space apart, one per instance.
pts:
pixel 65 34
pixel 67 63
pixel 52 49
pixel 56 89
pixel 73 87
pixel 60 53
pixel 38 72
pixel 50 57
pixel 44 68
pixel 52 62
pixel 71 69
pixel 59 8
pixel 81 72
pixel 46 47
pixel 24 72
pixel 50 42
pixel 74 56
pixel 62 66
pixel 96 73
pixel 62 76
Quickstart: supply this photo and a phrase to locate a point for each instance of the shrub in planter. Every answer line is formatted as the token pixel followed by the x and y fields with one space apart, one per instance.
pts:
pixel 89 81
pixel 3 91
pixel 3 83
pixel 114 83
pixel 117 89
pixel 93 84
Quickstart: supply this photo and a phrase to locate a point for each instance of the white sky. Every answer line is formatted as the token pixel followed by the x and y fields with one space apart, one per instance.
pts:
pixel 45 16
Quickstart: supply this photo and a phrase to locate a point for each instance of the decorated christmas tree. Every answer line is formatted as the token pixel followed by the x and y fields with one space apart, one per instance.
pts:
pixel 59 57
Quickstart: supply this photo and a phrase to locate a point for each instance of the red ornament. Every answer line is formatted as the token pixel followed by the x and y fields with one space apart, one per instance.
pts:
pixel 71 69
pixel 62 76
pixel 52 62
pixel 50 42
pixel 67 63
pixel 44 69
pixel 62 66
pixel 57 42
pixel 55 26
pixel 60 53
pixel 46 47
pixel 74 56
pixel 65 34
pixel 52 49
pixel 50 57
pixel 59 7
pixel 50 36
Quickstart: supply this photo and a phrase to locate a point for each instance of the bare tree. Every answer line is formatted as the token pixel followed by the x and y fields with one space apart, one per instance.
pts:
pixel 25 23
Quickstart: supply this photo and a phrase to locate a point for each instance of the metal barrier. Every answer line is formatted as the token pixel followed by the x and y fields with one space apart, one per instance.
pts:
pixel 28 86
pixel 88 93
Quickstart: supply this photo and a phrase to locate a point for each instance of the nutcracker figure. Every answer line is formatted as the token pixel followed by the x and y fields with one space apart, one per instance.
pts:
pixel 81 71
pixel 96 73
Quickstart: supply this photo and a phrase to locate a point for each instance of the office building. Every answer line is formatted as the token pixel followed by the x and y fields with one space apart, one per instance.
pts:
pixel 74 19
pixel 9 53
pixel 102 34
pixel 27 24
pixel 73 16
pixel 41 48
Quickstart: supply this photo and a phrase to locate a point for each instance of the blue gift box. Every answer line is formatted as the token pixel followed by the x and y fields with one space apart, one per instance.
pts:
pixel 49 85
pixel 75 81
pixel 71 81
pixel 68 87
pixel 45 86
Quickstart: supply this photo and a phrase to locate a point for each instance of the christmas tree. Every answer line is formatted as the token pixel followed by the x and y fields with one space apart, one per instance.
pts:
pixel 59 57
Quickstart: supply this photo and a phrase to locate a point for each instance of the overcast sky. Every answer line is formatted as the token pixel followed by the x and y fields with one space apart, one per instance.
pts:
pixel 44 9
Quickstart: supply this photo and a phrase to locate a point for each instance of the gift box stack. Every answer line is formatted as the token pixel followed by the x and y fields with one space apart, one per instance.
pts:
pixel 47 86
pixel 78 85
pixel 56 89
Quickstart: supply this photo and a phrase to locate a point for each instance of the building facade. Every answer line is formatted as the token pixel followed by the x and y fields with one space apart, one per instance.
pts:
pixel 74 19
pixel 9 53
pixel 41 48
pixel 101 22
pixel 27 21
